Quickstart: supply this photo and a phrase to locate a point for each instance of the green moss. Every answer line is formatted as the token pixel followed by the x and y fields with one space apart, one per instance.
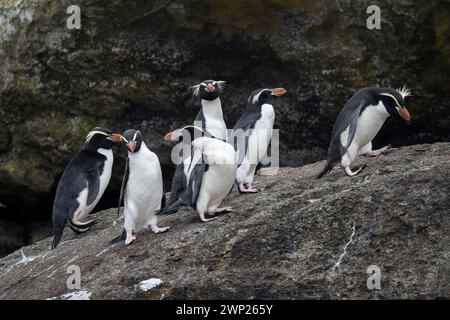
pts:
pixel 254 18
pixel 441 23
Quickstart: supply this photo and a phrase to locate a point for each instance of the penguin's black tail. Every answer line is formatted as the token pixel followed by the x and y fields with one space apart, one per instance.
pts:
pixel 58 228
pixel 120 237
pixel 166 210
pixel 326 169
pixel 172 208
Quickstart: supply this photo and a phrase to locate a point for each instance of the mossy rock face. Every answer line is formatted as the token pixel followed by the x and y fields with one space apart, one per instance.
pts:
pixel 132 63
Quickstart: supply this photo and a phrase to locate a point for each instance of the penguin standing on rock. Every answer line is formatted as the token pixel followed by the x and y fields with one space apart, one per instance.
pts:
pixel 210 115
pixel 83 183
pixel 142 188
pixel 210 119
pixel 252 134
pixel 359 122
pixel 210 174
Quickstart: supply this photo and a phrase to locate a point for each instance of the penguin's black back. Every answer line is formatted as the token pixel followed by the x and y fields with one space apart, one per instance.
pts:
pixel 351 111
pixel 86 166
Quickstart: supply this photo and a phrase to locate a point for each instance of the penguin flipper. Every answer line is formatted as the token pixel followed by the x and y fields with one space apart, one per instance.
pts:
pixel 123 186
pixel 195 180
pixel 353 124
pixel 190 194
pixel 93 184
pixel 178 185
pixel 242 127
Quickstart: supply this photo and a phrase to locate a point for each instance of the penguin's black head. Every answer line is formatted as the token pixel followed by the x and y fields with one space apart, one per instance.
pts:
pixel 209 89
pixel 265 96
pixel 101 138
pixel 188 133
pixel 394 102
pixel 133 139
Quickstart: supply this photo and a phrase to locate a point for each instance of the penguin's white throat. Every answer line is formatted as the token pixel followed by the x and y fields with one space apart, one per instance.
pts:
pixel 212 108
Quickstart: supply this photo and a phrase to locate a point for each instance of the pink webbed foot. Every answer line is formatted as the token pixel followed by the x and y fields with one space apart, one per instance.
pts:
pixel 202 217
pixel 130 238
pixel 351 173
pixel 246 188
pixel 157 229
pixel 375 153
pixel 223 209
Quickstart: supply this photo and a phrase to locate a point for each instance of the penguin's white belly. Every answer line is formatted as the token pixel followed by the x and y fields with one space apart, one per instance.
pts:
pixel 144 189
pixel 214 123
pixel 84 209
pixel 216 184
pixel 369 123
pixel 217 128
pixel 258 142
pixel 218 180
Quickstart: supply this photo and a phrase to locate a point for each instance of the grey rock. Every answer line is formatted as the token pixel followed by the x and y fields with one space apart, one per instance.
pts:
pixel 131 65
pixel 299 238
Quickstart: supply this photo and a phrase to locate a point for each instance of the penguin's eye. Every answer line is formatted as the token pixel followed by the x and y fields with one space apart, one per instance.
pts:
pixel 393 98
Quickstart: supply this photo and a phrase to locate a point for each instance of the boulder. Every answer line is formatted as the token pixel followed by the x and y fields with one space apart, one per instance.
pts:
pixel 298 238
pixel 131 65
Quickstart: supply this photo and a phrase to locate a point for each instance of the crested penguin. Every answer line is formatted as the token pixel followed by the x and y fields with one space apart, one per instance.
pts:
pixel 210 174
pixel 252 134
pixel 142 188
pixel 210 115
pixel 359 122
pixel 83 183
pixel 210 119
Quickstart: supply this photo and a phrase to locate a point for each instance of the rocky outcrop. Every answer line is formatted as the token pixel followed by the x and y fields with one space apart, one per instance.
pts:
pixel 298 238
pixel 131 65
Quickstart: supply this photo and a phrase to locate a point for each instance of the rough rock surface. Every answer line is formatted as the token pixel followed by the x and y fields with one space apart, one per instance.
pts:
pixel 284 242
pixel 132 62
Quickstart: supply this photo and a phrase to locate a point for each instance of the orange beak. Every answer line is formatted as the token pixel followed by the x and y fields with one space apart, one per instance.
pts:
pixel 404 113
pixel 279 91
pixel 115 137
pixel 210 88
pixel 168 136
pixel 131 146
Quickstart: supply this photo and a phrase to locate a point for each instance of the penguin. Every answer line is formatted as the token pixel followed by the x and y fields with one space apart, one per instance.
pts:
pixel 83 183
pixel 210 115
pixel 252 134
pixel 210 173
pixel 359 122
pixel 210 119
pixel 142 188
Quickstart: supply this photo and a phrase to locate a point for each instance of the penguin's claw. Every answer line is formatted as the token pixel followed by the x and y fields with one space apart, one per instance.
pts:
pixel 157 229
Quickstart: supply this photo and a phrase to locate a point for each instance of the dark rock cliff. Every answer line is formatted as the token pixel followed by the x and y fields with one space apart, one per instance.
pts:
pixel 132 62
pixel 299 238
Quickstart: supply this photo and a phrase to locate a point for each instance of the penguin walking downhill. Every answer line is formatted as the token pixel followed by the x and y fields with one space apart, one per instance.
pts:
pixel 252 135
pixel 209 118
pixel 359 122
pixel 142 188
pixel 83 183
pixel 210 173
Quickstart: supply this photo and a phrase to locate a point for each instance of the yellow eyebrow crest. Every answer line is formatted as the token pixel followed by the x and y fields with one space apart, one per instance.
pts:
pixel 390 95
